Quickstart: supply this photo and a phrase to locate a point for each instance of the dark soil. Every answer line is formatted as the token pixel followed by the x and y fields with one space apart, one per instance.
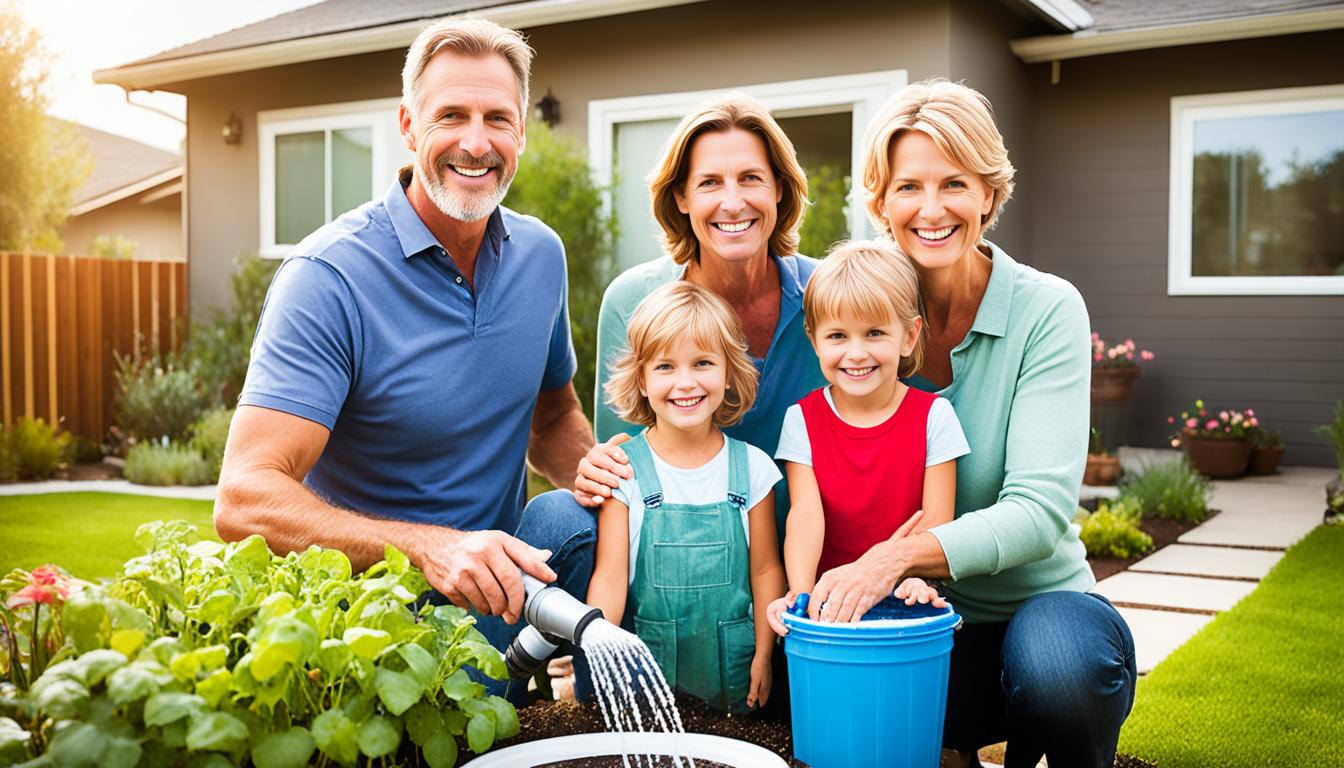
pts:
pixel 1162 530
pixel 92 471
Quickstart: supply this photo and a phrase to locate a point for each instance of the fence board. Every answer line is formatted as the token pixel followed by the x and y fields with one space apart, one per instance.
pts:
pixel 62 321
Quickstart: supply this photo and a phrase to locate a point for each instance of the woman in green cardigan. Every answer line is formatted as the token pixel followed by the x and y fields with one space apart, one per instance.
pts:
pixel 1043 662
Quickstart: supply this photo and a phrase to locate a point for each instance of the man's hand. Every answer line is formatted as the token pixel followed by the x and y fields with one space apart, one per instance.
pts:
pixel 601 471
pixel 845 593
pixel 481 569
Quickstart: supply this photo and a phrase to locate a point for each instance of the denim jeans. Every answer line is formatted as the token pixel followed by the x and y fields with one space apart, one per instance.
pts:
pixel 1057 680
pixel 557 522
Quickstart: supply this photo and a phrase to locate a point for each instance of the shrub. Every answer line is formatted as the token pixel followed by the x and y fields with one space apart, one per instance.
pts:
pixel 153 463
pixel 205 654
pixel 555 185
pixel 220 347
pixel 1113 530
pixel 1333 434
pixel 208 436
pixel 826 222
pixel 1172 490
pixel 35 449
pixel 157 397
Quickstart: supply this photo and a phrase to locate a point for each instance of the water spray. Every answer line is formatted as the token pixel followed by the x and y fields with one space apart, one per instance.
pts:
pixel 553 616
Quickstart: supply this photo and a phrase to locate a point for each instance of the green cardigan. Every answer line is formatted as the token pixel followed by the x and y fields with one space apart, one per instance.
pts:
pixel 1020 386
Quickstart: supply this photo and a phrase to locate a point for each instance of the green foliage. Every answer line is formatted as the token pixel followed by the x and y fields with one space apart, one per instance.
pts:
pixel 208 436
pixel 1096 445
pixel 34 449
pixel 44 160
pixel 1266 438
pixel 826 221
pixel 1334 436
pixel 1172 490
pixel 219 348
pixel 113 247
pixel 555 184
pixel 152 463
pixel 201 651
pixel 1113 530
pixel 1258 685
pixel 156 397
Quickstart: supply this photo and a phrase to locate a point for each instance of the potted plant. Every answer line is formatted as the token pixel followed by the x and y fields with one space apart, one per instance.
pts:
pixel 1266 449
pixel 1103 468
pixel 1216 443
pixel 1334 491
pixel 1114 369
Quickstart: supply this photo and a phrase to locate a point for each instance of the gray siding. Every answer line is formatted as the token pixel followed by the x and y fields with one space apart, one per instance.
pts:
pixel 1099 197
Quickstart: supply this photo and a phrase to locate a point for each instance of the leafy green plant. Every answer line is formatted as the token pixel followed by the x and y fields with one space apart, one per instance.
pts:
pixel 113 247
pixel 1266 438
pixel 1113 530
pixel 208 436
pixel 220 347
pixel 1334 435
pixel 555 184
pixel 156 397
pixel 35 449
pixel 826 221
pixel 153 463
pixel 1172 490
pixel 204 654
pixel 1095 445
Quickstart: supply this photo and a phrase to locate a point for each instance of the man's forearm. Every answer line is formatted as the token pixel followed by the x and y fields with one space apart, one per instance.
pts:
pixel 291 518
pixel 557 446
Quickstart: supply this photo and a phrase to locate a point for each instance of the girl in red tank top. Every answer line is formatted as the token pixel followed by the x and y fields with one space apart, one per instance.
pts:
pixel 867 452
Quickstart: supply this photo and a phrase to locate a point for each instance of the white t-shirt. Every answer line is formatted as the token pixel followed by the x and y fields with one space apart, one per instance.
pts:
pixel 944 442
pixel 706 484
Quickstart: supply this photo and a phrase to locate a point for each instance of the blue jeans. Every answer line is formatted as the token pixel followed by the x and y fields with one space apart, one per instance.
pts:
pixel 1057 680
pixel 557 522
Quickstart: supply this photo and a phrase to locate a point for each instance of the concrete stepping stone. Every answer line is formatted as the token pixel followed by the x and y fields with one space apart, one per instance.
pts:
pixel 1195 560
pixel 1186 592
pixel 1158 633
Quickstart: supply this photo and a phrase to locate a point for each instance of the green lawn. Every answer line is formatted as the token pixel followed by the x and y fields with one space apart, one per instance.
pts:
pixel 88 534
pixel 1260 684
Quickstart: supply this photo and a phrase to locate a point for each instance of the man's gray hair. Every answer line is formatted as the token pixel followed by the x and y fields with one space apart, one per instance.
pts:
pixel 469 37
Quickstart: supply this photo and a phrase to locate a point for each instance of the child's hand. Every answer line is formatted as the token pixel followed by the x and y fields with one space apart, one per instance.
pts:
pixel 914 590
pixel 775 611
pixel 761 677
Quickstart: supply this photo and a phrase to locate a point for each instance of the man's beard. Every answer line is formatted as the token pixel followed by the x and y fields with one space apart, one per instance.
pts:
pixel 466 206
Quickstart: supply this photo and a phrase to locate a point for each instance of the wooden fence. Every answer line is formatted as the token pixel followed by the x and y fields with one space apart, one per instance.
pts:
pixel 61 319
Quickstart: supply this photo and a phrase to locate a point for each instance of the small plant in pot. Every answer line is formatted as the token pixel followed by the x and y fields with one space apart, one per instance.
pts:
pixel 1266 450
pixel 1114 369
pixel 1334 491
pixel 1217 443
pixel 1103 467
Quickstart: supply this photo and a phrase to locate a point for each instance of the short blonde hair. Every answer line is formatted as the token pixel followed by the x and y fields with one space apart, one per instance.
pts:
pixel 682 310
pixel 959 120
pixel 734 111
pixel 873 279
pixel 477 38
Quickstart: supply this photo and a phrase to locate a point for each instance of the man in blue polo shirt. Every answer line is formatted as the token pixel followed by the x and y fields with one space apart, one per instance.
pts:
pixel 415 352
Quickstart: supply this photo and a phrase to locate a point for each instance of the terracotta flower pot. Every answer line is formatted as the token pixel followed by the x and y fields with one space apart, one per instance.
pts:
pixel 1101 470
pixel 1113 385
pixel 1264 461
pixel 1216 457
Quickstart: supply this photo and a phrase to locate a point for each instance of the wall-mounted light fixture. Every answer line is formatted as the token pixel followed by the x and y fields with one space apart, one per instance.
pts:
pixel 232 130
pixel 548 109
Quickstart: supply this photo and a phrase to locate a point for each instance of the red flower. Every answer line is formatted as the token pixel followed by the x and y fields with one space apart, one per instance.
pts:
pixel 46 585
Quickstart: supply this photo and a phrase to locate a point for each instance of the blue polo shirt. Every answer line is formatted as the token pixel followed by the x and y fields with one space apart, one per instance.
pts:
pixel 427 386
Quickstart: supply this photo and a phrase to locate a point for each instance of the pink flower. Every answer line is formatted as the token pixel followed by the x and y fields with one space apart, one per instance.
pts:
pixel 46 585
pixel 1129 343
pixel 1146 355
pixel 1191 422
pixel 1129 355
pixel 1211 424
pixel 1097 357
pixel 1171 419
pixel 1223 415
pixel 1095 336
pixel 1250 412
pixel 1254 422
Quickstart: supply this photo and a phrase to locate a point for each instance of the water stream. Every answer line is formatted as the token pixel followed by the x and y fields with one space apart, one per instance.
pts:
pixel 631 691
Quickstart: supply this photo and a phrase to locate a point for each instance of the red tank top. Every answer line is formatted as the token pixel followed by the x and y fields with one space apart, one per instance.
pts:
pixel 871 478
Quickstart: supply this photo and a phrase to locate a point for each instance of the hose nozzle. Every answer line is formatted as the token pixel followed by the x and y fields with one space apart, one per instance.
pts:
pixel 553 616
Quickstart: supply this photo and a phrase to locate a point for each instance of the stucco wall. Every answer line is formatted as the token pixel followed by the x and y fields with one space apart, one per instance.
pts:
pixel 156 227
pixel 1099 192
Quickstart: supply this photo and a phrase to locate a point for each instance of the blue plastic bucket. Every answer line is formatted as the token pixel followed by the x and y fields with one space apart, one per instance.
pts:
pixel 870 694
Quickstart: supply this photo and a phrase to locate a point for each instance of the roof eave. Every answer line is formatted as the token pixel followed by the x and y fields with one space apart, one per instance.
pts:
pixel 536 13
pixel 1081 44
pixel 125 191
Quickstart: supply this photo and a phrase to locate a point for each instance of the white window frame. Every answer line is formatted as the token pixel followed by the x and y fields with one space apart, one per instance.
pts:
pixel 1185 111
pixel 861 94
pixel 371 114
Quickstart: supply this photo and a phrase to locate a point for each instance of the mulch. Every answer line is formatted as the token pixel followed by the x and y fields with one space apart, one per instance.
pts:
pixel 1162 530
pixel 91 471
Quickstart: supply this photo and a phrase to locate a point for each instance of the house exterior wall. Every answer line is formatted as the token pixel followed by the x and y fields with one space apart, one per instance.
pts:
pixel 706 46
pixel 1099 192
pixel 156 227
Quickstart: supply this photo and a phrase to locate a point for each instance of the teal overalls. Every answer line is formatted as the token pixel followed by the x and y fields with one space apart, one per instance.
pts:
pixel 691 596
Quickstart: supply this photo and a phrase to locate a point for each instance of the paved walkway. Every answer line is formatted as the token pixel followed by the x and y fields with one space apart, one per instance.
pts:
pixel 203 492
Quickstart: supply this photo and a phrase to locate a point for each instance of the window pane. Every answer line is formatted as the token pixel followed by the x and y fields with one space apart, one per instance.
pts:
pixel 299 186
pixel 638 146
pixel 351 168
pixel 1269 195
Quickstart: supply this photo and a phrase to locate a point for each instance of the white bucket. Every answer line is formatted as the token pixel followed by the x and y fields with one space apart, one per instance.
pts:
pixel 695 745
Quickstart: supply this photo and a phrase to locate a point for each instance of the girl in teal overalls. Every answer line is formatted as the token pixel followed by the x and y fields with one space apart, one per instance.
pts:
pixel 686 549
